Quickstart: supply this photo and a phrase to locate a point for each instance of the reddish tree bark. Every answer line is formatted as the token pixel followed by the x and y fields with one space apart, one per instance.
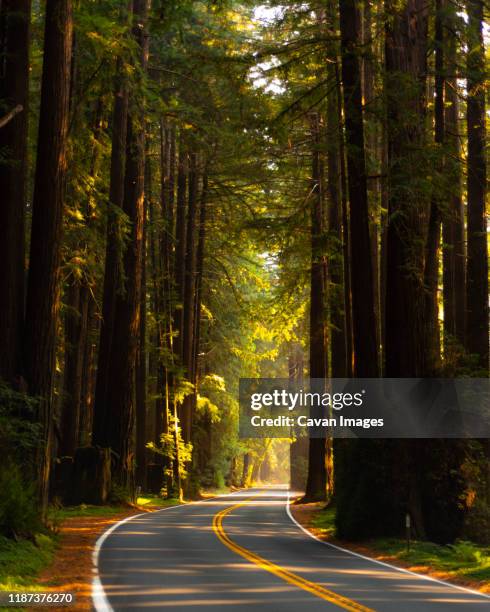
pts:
pixel 431 272
pixel 180 246
pixel 141 367
pixel 316 482
pixel 15 18
pixel 200 253
pixel 47 214
pixel 88 376
pixel 408 209
pixel 477 334
pixel 363 306
pixel 338 333
pixel 75 339
pixel 112 273
pixel 453 230
pixel 406 66
pixel 188 304
pixel 121 409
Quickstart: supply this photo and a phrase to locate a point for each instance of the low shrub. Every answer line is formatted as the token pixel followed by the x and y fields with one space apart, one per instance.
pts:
pixel 19 516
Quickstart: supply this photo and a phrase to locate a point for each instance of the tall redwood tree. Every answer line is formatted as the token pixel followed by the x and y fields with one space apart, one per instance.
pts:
pixel 477 335
pixel 14 92
pixel 121 408
pixel 363 305
pixel 47 216
pixel 316 482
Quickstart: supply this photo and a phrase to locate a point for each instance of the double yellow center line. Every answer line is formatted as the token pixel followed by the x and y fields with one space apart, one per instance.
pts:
pixel 280 572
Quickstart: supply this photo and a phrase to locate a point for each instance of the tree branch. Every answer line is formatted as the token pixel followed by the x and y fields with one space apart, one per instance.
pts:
pixel 9 116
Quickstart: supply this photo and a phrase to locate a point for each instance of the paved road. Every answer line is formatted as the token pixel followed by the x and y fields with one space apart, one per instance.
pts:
pixel 233 554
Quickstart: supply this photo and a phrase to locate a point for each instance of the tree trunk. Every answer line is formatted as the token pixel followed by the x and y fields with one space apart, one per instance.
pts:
pixel 383 246
pixel 406 66
pixel 167 236
pixel 369 100
pixel 406 70
pixel 189 294
pixel 201 243
pixel 88 377
pixel 77 323
pixel 180 246
pixel 167 242
pixel 245 481
pixel 346 251
pixel 160 417
pixel 316 483
pixel 112 273
pixel 477 336
pixel 336 295
pixel 453 231
pixel 431 273
pixel 298 450
pixel 15 16
pixel 47 213
pixel 121 413
pixel 363 307
pixel 75 340
pixel 141 367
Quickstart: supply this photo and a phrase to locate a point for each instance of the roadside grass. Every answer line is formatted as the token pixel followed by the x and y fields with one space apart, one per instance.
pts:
pixel 324 521
pixel 57 515
pixel 462 560
pixel 215 491
pixel 155 501
pixel 23 560
pixel 86 510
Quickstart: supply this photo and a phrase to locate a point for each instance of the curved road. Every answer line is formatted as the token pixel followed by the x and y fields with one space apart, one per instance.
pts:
pixel 243 552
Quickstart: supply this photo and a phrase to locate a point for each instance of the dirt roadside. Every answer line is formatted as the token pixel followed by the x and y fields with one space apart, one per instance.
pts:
pixel 71 569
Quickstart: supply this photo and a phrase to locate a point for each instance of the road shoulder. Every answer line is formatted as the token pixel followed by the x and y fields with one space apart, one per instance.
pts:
pixel 307 516
pixel 71 569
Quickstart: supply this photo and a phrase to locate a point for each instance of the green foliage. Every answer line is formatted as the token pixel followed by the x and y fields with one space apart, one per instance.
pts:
pixel 460 560
pixel 443 488
pixel 172 446
pixel 156 501
pixel 119 494
pixel 20 433
pixel 57 515
pixel 373 497
pixel 299 466
pixel 363 472
pixel 463 559
pixel 325 521
pixel 477 523
pixel 19 515
pixel 20 436
pixel 475 471
pixel 21 562
pixel 467 552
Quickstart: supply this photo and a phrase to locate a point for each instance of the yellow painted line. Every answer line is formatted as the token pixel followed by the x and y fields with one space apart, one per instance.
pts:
pixel 294 579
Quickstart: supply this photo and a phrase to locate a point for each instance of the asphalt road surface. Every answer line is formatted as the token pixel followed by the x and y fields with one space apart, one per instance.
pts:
pixel 243 552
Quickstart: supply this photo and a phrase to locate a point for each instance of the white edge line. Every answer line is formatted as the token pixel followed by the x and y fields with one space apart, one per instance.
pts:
pixel 383 563
pixel 99 596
